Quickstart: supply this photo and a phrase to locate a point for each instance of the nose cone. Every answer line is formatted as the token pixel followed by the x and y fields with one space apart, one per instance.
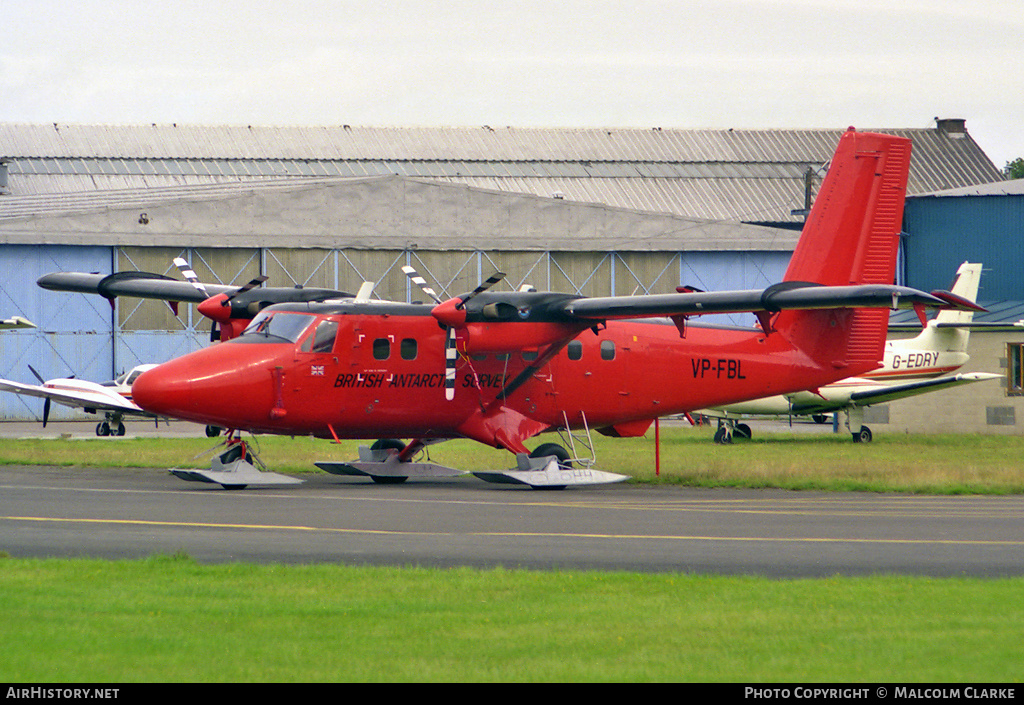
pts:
pixel 163 390
pixel 226 385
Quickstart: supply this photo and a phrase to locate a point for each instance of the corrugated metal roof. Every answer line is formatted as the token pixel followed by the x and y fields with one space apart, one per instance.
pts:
pixel 445 143
pixel 748 175
pixel 334 213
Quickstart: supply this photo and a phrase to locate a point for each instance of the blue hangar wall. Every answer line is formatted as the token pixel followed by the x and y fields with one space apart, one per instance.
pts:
pixel 944 231
pixel 75 335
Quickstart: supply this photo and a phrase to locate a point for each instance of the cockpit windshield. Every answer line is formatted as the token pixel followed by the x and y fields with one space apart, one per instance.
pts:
pixel 277 326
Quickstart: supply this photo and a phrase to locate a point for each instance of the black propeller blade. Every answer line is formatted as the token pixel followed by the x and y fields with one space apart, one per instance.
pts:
pixel 38 376
pixel 451 353
pixel 491 281
pixel 46 402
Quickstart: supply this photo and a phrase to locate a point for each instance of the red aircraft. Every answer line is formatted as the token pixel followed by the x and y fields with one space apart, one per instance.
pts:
pixel 503 367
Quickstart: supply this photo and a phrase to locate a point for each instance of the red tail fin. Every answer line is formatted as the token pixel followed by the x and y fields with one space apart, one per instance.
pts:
pixel 852 233
pixel 851 237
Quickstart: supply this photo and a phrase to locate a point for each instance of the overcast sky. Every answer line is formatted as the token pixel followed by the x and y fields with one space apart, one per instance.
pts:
pixel 550 63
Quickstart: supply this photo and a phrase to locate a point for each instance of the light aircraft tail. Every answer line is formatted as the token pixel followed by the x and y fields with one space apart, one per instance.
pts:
pixel 851 237
pixel 966 284
pixel 950 330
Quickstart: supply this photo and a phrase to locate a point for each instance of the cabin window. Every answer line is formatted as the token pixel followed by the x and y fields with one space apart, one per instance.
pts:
pixel 530 355
pixel 574 349
pixel 607 350
pixel 1015 369
pixel 408 349
pixel 381 349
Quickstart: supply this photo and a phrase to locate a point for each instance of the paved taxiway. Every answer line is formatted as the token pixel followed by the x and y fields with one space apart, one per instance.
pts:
pixel 127 513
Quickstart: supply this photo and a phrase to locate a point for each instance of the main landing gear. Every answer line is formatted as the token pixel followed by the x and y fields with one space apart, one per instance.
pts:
pixel 110 427
pixel 728 428
pixel 390 461
pixel 862 436
pixel 855 424
pixel 549 466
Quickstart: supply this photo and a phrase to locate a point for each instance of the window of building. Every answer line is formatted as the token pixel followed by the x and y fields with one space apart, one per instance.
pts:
pixel 1015 369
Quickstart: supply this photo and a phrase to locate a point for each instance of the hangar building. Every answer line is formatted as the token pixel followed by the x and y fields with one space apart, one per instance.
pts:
pixel 595 211
pixel 982 223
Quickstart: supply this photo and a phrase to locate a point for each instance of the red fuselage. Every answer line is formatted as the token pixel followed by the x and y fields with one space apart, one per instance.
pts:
pixel 359 371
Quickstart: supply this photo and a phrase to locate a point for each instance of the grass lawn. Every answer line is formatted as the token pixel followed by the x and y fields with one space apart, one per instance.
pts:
pixel 169 619
pixel 943 464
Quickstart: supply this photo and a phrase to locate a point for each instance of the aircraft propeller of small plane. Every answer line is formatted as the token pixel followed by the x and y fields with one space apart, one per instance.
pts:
pixel 501 367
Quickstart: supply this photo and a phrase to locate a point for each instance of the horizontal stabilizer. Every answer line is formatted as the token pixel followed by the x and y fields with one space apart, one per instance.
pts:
pixel 958 303
pixel 899 391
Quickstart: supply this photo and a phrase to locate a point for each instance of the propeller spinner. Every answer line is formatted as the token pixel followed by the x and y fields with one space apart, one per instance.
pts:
pixel 211 311
pixel 450 314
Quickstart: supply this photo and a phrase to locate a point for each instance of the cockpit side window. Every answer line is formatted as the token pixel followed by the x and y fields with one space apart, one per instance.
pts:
pixel 326 332
pixel 322 339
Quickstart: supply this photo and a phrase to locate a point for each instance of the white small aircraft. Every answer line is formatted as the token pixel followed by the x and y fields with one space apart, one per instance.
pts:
pixel 16 322
pixel 113 398
pixel 910 367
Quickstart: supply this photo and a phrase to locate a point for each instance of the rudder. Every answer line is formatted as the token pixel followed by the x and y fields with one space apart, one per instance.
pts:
pixel 852 233
pixel 851 237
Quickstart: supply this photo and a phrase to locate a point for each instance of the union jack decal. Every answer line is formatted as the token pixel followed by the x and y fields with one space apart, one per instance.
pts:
pixel 316 370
